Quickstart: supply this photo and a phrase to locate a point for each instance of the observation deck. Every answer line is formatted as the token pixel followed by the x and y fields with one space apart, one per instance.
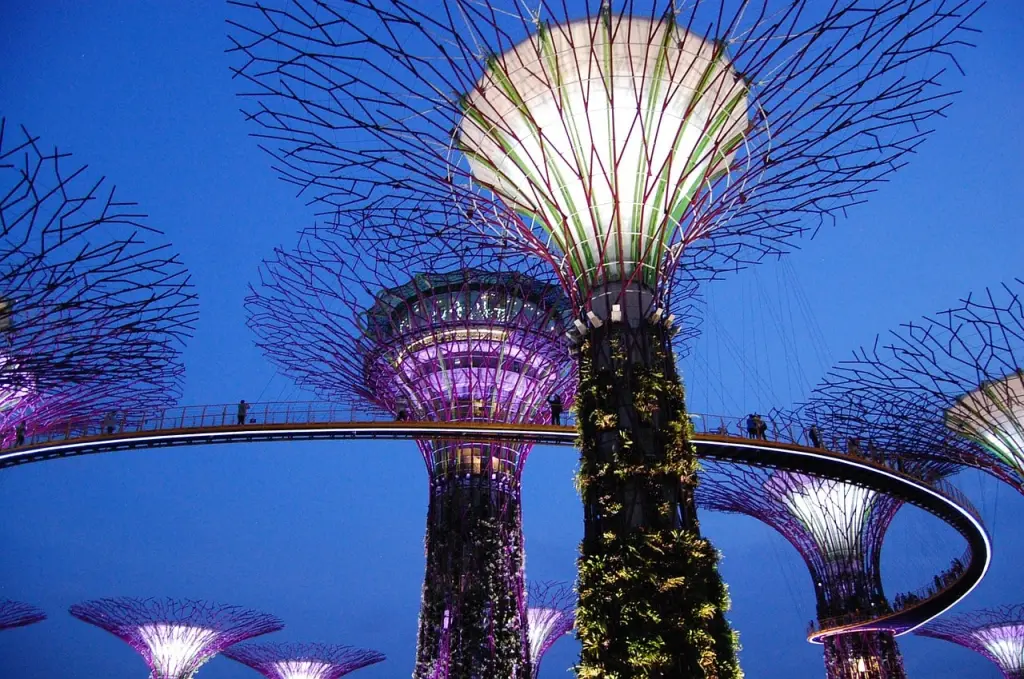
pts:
pixel 309 421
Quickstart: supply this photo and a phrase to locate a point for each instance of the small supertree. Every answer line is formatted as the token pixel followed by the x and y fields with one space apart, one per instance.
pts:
pixel 997 634
pixel 175 637
pixel 551 615
pixel 434 339
pixel 952 381
pixel 838 528
pixel 626 146
pixel 18 614
pixel 303 661
pixel 92 311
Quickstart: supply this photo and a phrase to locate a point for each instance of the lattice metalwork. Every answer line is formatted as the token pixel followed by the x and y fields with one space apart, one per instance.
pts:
pixel 175 637
pixel 950 385
pixel 93 310
pixel 997 634
pixel 440 337
pixel 551 615
pixel 303 661
pixel 18 614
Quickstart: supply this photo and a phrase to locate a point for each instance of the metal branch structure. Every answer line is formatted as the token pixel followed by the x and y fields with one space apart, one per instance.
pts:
pixel 838 528
pixel 951 384
pixel 628 148
pixel 437 338
pixel 17 614
pixel 93 312
pixel 303 661
pixel 997 634
pixel 175 637
pixel 551 615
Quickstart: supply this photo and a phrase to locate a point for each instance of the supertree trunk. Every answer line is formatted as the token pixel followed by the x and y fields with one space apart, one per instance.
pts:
pixel 473 619
pixel 652 602
pixel 863 655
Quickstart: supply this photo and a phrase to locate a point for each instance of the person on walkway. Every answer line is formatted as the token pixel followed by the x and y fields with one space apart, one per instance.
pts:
pixel 760 428
pixel 109 421
pixel 751 426
pixel 722 429
pixel 243 410
pixel 402 410
pixel 19 434
pixel 555 401
pixel 815 436
pixel 853 445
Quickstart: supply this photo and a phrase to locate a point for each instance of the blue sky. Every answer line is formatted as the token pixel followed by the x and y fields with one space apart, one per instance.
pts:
pixel 329 535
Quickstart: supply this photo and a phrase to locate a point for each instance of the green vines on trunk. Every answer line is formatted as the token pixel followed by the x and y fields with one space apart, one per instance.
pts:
pixel 651 601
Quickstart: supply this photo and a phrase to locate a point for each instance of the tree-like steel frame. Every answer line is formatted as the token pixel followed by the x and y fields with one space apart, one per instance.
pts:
pixel 996 633
pixel 18 614
pixel 290 660
pixel 627 150
pixel 838 528
pixel 175 637
pixel 950 385
pixel 93 312
pixel 551 615
pixel 436 338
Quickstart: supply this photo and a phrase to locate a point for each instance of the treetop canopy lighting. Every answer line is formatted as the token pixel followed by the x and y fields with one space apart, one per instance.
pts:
pixel 175 638
pixel 550 616
pixel 18 614
pixel 997 634
pixel 303 661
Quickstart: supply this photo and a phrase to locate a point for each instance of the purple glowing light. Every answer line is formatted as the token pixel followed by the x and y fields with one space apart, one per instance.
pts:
pixel 551 615
pixel 175 638
pixel 997 634
pixel 303 661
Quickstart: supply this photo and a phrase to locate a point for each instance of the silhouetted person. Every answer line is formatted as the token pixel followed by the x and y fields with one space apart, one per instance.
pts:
pixel 19 434
pixel 402 406
pixel 109 420
pixel 853 445
pixel 243 410
pixel 762 428
pixel 555 401
pixel 751 426
pixel 814 435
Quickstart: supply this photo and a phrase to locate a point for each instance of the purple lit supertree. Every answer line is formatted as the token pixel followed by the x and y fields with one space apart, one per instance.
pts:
pixel 838 528
pixel 551 615
pixel 954 380
pixel 18 614
pixel 627 147
pixel 92 313
pixel 175 637
pixel 997 634
pixel 303 661
pixel 434 339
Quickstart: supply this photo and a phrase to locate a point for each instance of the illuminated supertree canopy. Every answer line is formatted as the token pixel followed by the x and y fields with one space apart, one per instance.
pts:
pixel 997 634
pixel 303 661
pixel 462 344
pixel 551 615
pixel 627 148
pixel 93 309
pixel 174 637
pixel 959 372
pixel 18 614
pixel 838 528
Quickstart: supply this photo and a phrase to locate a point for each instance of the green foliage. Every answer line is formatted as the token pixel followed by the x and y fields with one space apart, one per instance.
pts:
pixel 652 604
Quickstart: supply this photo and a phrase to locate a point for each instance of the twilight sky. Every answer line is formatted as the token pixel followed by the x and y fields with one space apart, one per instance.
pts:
pixel 328 536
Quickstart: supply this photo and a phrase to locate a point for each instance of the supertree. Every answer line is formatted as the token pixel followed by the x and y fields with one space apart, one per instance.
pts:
pixel 626 148
pixel 997 634
pixel 551 615
pixel 18 614
pixel 434 339
pixel 175 637
pixel 303 661
pixel 838 528
pixel 954 380
pixel 92 312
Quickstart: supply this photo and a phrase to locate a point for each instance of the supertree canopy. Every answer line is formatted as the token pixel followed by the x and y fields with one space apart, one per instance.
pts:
pixel 92 312
pixel 18 614
pixel 954 379
pixel 175 638
pixel 303 661
pixel 997 634
pixel 627 148
pixel 838 528
pixel 459 344
pixel 551 615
